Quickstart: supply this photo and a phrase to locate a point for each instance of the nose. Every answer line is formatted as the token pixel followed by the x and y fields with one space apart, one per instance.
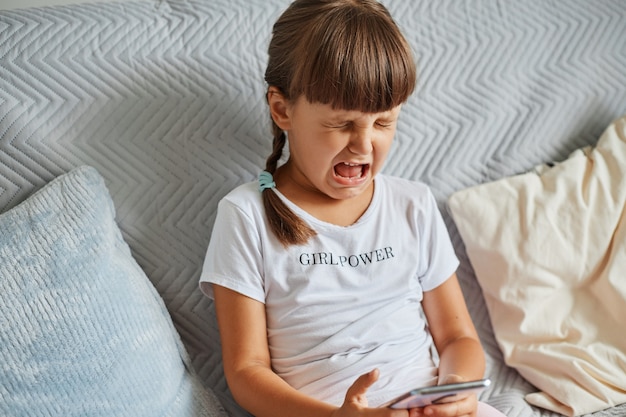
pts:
pixel 361 141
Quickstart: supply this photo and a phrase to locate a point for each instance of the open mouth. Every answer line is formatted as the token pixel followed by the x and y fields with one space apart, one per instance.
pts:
pixel 351 171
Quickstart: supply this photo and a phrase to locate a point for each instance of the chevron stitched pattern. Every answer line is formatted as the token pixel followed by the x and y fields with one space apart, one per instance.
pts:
pixel 166 100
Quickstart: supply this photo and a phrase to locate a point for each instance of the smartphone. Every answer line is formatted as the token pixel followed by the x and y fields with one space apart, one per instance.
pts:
pixel 438 394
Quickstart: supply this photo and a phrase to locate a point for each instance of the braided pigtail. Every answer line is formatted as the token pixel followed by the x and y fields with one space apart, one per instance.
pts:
pixel 286 225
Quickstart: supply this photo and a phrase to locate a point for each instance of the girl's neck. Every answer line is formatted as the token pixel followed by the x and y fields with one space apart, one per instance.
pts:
pixel 340 212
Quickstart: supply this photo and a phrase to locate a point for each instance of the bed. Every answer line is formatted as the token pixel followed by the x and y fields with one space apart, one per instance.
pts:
pixel 165 99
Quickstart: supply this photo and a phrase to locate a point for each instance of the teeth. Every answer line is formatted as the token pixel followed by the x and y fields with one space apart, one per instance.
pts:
pixel 360 174
pixel 346 173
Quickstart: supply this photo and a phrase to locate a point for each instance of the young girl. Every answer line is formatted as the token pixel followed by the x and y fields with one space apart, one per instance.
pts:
pixel 321 270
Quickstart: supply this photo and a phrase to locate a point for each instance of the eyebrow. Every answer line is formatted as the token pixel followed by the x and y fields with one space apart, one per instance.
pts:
pixel 387 115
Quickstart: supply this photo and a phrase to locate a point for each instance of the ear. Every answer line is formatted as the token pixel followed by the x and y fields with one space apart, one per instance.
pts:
pixel 279 108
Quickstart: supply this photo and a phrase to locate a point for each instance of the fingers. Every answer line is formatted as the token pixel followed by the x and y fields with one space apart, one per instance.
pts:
pixel 461 408
pixel 356 393
pixel 450 379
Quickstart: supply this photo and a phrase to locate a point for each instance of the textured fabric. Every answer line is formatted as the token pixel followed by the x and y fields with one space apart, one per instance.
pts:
pixel 348 301
pixel 549 250
pixel 166 98
pixel 83 331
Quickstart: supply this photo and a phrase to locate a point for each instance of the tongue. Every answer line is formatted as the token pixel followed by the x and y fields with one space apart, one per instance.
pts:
pixel 347 171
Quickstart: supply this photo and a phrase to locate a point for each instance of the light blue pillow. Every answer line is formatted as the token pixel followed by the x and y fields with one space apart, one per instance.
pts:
pixel 82 330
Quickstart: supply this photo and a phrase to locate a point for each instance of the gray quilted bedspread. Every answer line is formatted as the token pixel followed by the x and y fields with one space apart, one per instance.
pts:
pixel 166 99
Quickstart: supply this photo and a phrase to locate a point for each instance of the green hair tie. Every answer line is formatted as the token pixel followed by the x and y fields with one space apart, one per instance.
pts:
pixel 266 181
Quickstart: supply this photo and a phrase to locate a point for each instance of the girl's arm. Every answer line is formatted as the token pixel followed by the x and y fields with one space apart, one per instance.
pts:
pixel 252 381
pixel 461 355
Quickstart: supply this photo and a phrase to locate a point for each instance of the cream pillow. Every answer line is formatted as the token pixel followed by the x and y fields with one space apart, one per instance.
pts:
pixel 549 251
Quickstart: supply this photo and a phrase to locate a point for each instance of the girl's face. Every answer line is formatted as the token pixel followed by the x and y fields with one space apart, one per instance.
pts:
pixel 335 152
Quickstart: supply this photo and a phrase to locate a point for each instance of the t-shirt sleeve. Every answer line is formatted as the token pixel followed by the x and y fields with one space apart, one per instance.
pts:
pixel 234 258
pixel 437 252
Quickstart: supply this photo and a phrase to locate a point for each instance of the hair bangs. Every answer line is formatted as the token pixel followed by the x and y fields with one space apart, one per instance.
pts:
pixel 359 64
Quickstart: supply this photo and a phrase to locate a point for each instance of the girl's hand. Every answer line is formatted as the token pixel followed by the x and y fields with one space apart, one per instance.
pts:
pixel 462 406
pixel 355 404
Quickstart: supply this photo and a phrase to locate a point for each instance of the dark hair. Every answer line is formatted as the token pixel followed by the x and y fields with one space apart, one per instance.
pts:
pixel 349 54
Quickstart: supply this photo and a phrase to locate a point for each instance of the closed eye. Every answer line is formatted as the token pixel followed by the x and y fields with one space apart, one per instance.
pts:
pixel 384 123
pixel 345 125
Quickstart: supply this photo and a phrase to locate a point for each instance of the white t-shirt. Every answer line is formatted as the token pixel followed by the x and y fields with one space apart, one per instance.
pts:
pixel 349 300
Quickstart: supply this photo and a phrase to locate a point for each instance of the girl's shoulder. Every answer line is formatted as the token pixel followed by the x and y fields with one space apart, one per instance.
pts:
pixel 399 187
pixel 244 194
pixel 244 199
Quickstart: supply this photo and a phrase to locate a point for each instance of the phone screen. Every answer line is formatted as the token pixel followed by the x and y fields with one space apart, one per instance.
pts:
pixel 438 394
